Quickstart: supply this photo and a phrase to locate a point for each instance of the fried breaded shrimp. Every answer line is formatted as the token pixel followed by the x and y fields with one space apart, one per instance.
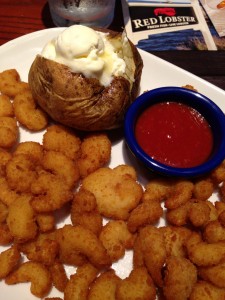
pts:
pixel 7 196
pixel 196 212
pixel 180 277
pixel 116 238
pixel 5 235
pixel 8 132
pixel 60 138
pixel 6 107
pixel 214 274
pixel 179 215
pixel 190 87
pixel 59 276
pixel 204 254
pixel 199 213
pixel 9 259
pixel 33 149
pixel 21 172
pixel 181 193
pixel 28 113
pixel 214 232
pixel 203 189
pixel 175 240
pixel 207 291
pixel 95 153
pixel 104 287
pixel 82 243
pixel 153 249
pixel 11 84
pixel 35 273
pixel 116 190
pixel 158 189
pixel 21 219
pixel 146 213
pixel 138 286
pixel 59 164
pixel 84 211
pixel 43 249
pixel 78 285
pixel 50 193
pixel 5 156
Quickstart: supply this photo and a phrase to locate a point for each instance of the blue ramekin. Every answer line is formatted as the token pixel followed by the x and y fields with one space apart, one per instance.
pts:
pixel 206 107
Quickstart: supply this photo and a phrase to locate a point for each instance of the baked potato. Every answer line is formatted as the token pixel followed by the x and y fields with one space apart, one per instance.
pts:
pixel 81 102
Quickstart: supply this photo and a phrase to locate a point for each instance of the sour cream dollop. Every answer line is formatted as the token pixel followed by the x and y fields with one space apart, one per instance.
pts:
pixel 86 51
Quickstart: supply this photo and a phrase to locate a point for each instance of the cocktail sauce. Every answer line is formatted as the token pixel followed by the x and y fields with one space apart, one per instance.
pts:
pixel 174 134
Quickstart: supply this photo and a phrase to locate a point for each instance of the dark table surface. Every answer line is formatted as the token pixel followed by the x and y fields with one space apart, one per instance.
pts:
pixel 21 17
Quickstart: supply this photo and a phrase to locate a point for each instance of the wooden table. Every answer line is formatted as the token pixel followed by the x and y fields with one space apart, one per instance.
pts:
pixel 20 17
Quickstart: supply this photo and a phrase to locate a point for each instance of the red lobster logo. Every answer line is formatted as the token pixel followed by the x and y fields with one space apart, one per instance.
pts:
pixel 168 11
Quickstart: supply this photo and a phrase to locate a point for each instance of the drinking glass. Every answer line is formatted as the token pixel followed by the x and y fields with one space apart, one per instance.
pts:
pixel 93 13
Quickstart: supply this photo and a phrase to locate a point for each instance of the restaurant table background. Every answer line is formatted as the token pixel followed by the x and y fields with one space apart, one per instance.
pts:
pixel 21 17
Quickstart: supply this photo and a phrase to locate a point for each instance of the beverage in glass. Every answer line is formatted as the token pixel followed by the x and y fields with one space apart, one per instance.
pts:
pixel 94 13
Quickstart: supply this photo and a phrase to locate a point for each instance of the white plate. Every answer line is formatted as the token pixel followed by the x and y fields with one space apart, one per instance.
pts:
pixel 20 53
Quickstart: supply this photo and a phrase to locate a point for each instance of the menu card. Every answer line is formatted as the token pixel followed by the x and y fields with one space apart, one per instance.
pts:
pixel 168 25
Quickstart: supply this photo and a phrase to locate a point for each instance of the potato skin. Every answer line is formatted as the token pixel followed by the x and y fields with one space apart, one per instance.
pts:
pixel 83 103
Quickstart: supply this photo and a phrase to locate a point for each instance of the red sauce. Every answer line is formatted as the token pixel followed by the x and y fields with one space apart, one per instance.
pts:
pixel 174 134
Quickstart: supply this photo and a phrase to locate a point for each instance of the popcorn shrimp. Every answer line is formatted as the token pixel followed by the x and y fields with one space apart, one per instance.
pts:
pixel 158 190
pixel 78 286
pixel 104 286
pixel 60 138
pixel 116 238
pixel 50 193
pixel 203 189
pixel 62 166
pixel 84 211
pixel 33 149
pixel 9 259
pixel 7 195
pixel 81 242
pixel 214 274
pixel 146 213
pixel 116 190
pixel 11 84
pixel 153 251
pixel 8 132
pixel 204 254
pixel 180 277
pixel 28 113
pixel 138 285
pixel 21 219
pixel 207 291
pixel 181 193
pixel 59 276
pixel 21 172
pixel 95 153
pixel 33 272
